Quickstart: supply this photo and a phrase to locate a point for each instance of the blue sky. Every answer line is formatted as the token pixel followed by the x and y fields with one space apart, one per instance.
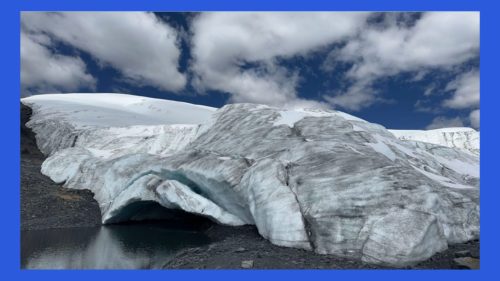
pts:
pixel 401 70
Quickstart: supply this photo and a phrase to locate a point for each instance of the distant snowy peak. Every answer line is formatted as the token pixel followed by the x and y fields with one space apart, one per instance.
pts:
pixel 116 110
pixel 466 139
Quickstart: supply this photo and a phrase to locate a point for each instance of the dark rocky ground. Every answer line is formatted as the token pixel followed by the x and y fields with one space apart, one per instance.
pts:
pixel 45 204
pixel 232 246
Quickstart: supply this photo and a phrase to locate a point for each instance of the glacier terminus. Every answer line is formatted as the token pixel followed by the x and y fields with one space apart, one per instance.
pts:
pixel 320 180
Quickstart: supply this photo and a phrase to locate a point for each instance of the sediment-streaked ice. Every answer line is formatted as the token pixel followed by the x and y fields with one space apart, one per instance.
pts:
pixel 319 180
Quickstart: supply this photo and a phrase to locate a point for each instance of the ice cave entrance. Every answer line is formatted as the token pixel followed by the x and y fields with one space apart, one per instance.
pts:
pixel 148 211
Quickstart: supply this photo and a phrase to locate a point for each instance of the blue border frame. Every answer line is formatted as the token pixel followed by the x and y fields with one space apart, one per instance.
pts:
pixel 10 253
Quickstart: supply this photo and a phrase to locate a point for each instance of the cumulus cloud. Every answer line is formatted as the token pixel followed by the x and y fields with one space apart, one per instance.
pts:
pixel 465 95
pixel 44 71
pixel 358 96
pixel 474 118
pixel 444 122
pixel 437 40
pixel 239 53
pixel 141 47
pixel 245 54
pixel 465 91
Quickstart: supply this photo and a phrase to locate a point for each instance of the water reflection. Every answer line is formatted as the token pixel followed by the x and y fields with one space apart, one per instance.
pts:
pixel 106 247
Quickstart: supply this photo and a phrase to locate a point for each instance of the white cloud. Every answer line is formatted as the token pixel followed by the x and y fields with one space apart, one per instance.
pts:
pixel 358 96
pixel 444 122
pixel 143 48
pixel 474 118
pixel 43 71
pixel 438 40
pixel 225 44
pixel 465 91
pixel 242 53
pixel 465 95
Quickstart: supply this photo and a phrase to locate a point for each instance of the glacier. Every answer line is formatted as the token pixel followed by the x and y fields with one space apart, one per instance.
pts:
pixel 320 180
pixel 465 139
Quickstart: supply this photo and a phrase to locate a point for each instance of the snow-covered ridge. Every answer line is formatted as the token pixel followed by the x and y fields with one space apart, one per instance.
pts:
pixel 118 110
pixel 466 139
pixel 319 180
pixel 114 124
pixel 290 117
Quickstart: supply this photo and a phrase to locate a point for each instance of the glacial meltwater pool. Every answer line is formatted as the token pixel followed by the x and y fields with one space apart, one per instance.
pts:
pixel 130 246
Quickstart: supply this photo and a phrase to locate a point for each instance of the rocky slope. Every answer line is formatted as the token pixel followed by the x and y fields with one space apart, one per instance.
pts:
pixel 45 204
